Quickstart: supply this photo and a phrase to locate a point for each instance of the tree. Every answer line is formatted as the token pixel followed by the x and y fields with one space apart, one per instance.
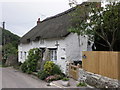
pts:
pixel 101 22
pixel 9 50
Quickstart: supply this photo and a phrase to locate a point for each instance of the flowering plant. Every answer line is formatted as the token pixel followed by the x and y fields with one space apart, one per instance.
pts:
pixel 53 77
pixel 50 78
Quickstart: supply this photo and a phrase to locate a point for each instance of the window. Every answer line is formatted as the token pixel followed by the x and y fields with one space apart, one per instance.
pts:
pixel 21 55
pixel 42 41
pixel 28 40
pixel 37 38
pixel 53 55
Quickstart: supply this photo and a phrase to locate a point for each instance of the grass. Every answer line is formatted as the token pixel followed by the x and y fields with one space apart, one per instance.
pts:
pixel 2 65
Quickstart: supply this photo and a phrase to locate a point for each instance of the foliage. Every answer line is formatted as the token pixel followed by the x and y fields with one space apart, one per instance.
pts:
pixel 51 69
pixel 24 66
pixel 31 62
pixel 48 67
pixel 65 79
pixel 50 78
pixel 53 77
pixel 101 22
pixel 56 70
pixel 10 37
pixel 11 44
pixel 10 49
pixel 51 72
pixel 42 75
pixel 81 84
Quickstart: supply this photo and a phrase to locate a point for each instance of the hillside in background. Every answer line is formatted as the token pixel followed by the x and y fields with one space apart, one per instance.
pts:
pixel 10 37
pixel 10 47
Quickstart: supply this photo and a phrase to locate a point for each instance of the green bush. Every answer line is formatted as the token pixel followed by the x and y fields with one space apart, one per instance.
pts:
pixel 42 75
pixel 81 84
pixel 51 69
pixel 65 79
pixel 30 64
pixel 24 66
pixel 56 70
pixel 48 67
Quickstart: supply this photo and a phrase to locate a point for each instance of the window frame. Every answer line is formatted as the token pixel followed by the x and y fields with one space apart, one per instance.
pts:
pixel 53 54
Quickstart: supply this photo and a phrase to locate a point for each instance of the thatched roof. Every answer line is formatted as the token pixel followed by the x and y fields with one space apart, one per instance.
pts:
pixel 53 27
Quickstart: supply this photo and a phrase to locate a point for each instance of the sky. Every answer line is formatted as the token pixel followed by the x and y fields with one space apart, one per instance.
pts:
pixel 20 16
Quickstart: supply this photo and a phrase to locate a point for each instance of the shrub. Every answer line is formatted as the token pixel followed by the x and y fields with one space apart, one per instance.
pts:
pixel 53 77
pixel 56 70
pixel 48 67
pixel 81 84
pixel 65 79
pixel 51 69
pixel 30 64
pixel 24 67
pixel 58 77
pixel 42 75
pixel 50 78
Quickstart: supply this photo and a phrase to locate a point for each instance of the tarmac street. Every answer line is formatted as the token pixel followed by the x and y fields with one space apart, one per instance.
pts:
pixel 0 78
pixel 12 78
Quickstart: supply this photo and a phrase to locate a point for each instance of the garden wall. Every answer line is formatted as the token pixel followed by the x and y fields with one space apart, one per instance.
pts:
pixel 97 81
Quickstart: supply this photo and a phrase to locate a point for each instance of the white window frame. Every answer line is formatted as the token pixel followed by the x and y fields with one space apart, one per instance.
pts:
pixel 53 55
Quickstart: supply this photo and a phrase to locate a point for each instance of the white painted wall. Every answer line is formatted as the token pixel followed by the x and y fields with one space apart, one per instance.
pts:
pixel 68 49
pixel 74 47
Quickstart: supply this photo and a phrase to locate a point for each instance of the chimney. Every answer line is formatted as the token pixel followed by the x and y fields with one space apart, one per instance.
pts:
pixel 38 21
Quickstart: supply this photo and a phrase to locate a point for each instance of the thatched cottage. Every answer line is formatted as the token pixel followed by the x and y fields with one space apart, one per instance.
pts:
pixel 52 35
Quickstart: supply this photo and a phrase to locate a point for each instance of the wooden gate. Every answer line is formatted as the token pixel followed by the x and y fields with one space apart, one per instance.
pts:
pixel 74 71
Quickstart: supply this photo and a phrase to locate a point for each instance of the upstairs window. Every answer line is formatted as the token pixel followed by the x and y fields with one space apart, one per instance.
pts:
pixel 28 40
pixel 37 38
pixel 41 41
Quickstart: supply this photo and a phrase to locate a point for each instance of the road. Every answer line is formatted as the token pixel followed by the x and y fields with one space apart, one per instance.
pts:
pixel 12 78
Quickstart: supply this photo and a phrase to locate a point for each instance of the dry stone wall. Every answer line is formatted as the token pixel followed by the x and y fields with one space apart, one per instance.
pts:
pixel 97 81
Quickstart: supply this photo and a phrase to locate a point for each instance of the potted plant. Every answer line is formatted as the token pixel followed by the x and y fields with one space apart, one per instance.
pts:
pixel 65 82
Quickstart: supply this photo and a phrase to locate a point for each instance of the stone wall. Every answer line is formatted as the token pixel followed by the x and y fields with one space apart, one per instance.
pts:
pixel 11 60
pixel 97 81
